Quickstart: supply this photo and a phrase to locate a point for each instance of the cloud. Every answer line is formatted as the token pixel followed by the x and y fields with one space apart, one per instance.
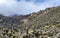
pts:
pixel 10 7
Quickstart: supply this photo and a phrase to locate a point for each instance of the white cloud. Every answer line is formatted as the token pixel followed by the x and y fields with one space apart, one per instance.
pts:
pixel 9 7
pixel 3 1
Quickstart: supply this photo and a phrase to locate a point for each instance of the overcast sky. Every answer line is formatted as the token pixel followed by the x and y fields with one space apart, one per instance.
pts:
pixel 10 7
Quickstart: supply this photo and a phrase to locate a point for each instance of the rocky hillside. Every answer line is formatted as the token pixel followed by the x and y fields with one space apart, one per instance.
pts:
pixel 43 24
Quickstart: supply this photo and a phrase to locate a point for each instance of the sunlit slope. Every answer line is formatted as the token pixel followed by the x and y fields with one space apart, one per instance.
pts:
pixel 50 16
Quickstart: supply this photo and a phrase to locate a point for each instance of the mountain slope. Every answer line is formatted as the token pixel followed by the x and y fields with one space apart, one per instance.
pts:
pixel 49 16
pixel 43 24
